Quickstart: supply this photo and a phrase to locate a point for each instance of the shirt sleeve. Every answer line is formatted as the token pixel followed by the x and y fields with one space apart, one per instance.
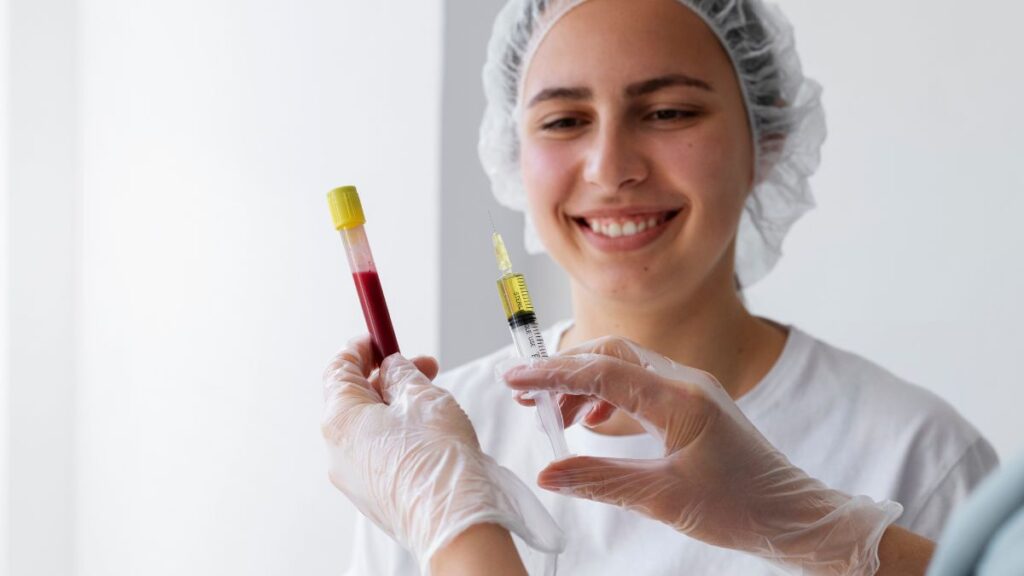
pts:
pixel 929 516
pixel 374 553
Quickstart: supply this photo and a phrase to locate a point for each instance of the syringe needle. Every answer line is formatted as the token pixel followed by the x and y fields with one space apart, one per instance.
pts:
pixel 501 254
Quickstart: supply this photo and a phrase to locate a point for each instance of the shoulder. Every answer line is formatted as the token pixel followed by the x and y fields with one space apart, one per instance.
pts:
pixel 842 379
pixel 933 456
pixel 817 389
pixel 891 403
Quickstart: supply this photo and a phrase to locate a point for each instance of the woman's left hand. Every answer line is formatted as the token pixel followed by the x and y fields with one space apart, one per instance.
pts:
pixel 719 481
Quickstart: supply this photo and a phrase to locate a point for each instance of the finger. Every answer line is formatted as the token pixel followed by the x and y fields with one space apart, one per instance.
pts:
pixel 351 366
pixel 618 481
pixel 639 392
pixel 573 408
pixel 521 398
pixel 613 346
pixel 633 353
pixel 399 377
pixel 599 414
pixel 347 391
pixel 427 365
pixel 344 408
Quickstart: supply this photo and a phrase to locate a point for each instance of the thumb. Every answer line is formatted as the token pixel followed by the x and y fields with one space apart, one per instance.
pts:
pixel 618 481
pixel 400 377
pixel 428 365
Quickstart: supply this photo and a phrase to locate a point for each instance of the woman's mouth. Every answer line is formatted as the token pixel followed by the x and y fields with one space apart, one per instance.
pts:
pixel 625 232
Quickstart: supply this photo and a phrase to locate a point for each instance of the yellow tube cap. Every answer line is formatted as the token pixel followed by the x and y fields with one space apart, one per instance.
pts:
pixel 346 210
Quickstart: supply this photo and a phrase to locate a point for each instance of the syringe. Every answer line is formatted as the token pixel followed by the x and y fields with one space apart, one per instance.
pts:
pixel 529 343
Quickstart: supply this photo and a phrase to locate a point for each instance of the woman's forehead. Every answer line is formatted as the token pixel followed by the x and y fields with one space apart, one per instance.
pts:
pixel 621 42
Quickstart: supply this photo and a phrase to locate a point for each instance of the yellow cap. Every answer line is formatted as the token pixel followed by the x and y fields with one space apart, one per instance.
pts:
pixel 346 210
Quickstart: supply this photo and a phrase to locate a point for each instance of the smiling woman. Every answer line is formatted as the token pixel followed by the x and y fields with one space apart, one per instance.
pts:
pixel 661 150
pixel 639 144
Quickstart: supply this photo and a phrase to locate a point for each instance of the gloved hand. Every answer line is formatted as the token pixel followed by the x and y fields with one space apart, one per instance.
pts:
pixel 407 456
pixel 720 481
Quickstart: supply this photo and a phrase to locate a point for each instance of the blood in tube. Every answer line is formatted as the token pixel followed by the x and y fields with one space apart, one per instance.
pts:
pixel 375 310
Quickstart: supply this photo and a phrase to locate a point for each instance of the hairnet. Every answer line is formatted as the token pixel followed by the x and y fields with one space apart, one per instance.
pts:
pixel 783 107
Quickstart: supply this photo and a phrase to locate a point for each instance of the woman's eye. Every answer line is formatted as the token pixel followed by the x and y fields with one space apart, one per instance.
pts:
pixel 673 114
pixel 567 123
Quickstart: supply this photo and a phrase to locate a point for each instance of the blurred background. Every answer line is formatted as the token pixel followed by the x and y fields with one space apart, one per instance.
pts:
pixel 172 288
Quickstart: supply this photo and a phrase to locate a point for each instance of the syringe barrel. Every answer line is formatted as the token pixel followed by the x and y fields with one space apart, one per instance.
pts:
pixel 527 336
pixel 530 344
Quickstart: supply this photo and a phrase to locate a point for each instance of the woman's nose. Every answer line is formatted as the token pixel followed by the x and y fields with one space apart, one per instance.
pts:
pixel 614 161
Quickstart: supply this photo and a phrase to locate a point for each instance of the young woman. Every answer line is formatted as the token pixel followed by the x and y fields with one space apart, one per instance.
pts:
pixel 661 150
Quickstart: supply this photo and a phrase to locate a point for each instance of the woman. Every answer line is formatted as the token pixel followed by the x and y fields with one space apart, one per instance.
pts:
pixel 661 149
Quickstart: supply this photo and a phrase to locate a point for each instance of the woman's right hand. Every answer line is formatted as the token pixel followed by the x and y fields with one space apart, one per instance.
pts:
pixel 407 456
pixel 719 481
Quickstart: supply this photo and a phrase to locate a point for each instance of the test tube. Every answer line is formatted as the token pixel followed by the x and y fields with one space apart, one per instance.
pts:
pixel 347 214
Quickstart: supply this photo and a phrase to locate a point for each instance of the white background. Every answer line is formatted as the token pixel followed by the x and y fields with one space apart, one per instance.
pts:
pixel 172 289
pixel 177 283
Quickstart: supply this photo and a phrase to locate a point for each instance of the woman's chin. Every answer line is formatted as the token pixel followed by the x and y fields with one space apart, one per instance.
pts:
pixel 637 287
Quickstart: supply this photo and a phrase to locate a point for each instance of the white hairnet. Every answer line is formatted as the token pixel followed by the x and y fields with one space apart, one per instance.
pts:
pixel 784 109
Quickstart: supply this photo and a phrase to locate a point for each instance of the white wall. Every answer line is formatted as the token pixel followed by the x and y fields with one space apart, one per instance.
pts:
pixel 5 343
pixel 172 161
pixel 215 289
pixel 43 179
pixel 912 257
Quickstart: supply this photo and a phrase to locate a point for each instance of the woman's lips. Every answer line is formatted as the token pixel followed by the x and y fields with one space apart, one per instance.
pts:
pixel 624 233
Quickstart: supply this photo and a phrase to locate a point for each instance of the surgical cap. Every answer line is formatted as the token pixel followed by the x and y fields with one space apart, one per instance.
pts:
pixel 783 107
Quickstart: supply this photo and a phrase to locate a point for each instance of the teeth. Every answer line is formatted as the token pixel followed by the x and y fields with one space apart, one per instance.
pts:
pixel 618 227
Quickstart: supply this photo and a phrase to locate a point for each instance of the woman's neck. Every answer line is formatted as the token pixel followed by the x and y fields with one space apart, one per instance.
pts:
pixel 710 330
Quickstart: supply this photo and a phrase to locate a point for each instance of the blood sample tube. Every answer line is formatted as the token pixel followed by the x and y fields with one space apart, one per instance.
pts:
pixel 347 213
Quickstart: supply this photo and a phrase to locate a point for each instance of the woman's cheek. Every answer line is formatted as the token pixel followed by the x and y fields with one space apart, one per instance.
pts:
pixel 717 170
pixel 545 167
pixel 548 180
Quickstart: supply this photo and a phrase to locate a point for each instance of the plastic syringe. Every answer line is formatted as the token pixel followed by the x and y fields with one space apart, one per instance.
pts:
pixel 526 335
pixel 347 214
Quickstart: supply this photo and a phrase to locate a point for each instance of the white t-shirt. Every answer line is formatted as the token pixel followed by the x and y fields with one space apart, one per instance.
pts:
pixel 842 419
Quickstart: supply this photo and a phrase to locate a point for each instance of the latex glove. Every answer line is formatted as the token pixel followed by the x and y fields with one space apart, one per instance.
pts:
pixel 720 481
pixel 406 455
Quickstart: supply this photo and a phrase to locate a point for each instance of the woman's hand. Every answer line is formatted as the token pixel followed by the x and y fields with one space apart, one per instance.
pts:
pixel 720 481
pixel 408 457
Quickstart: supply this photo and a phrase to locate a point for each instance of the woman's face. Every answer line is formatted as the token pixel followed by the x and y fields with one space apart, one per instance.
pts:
pixel 636 149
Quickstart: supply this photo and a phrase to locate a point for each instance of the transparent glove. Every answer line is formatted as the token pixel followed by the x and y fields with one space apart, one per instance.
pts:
pixel 406 455
pixel 720 481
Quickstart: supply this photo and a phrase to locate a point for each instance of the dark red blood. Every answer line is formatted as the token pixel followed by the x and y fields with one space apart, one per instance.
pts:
pixel 375 310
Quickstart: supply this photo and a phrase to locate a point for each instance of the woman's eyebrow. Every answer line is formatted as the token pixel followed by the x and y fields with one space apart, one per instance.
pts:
pixel 667 81
pixel 560 94
pixel 632 91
